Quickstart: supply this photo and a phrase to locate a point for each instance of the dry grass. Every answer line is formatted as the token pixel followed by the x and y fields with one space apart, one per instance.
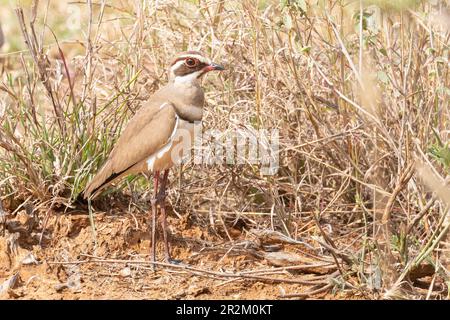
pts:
pixel 362 110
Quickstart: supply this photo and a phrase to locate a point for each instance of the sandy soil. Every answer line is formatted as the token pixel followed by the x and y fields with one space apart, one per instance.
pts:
pixel 62 267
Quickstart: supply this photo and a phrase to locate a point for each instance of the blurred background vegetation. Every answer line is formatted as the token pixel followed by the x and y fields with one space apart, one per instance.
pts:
pixel 359 91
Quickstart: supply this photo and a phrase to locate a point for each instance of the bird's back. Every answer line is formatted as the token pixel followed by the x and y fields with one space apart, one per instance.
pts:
pixel 147 131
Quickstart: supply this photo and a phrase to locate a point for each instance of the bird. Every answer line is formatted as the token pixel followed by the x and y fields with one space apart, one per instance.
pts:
pixel 153 137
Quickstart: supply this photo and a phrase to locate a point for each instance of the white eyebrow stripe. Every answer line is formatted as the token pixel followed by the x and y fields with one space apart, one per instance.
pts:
pixel 196 56
pixel 177 65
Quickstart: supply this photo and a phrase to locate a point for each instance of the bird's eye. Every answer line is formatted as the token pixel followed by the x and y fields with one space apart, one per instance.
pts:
pixel 191 62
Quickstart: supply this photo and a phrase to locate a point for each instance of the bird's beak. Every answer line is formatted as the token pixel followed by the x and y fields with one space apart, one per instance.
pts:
pixel 214 66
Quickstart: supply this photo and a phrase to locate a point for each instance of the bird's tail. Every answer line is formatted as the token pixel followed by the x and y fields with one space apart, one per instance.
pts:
pixel 103 179
pixel 100 181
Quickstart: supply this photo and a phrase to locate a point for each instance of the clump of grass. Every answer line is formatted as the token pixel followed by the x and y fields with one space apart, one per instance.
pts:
pixel 358 92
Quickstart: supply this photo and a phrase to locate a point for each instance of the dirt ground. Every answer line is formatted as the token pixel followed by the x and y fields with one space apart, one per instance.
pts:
pixel 69 264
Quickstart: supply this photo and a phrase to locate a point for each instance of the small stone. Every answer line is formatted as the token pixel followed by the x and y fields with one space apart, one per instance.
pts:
pixel 125 272
pixel 61 286
pixel 29 259
pixel 9 283
pixel 283 259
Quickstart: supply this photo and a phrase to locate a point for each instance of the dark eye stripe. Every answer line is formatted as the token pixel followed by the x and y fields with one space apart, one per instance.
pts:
pixel 183 69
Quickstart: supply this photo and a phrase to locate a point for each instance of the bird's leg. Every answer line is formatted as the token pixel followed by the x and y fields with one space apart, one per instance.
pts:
pixel 162 198
pixel 154 200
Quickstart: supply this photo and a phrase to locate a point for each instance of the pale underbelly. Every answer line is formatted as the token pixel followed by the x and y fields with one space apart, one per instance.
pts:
pixel 177 150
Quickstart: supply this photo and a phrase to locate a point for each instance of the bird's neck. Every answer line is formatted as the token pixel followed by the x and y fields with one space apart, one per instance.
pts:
pixel 189 113
pixel 191 79
pixel 188 100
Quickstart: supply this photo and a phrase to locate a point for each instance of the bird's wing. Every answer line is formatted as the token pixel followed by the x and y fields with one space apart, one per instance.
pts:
pixel 148 131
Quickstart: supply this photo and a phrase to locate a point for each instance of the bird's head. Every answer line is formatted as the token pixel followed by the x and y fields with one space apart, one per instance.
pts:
pixel 189 66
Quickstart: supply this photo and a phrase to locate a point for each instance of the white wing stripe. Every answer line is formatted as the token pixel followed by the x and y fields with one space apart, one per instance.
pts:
pixel 158 154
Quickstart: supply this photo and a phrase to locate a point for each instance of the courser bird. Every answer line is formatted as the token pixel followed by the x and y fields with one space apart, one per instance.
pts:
pixel 155 131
